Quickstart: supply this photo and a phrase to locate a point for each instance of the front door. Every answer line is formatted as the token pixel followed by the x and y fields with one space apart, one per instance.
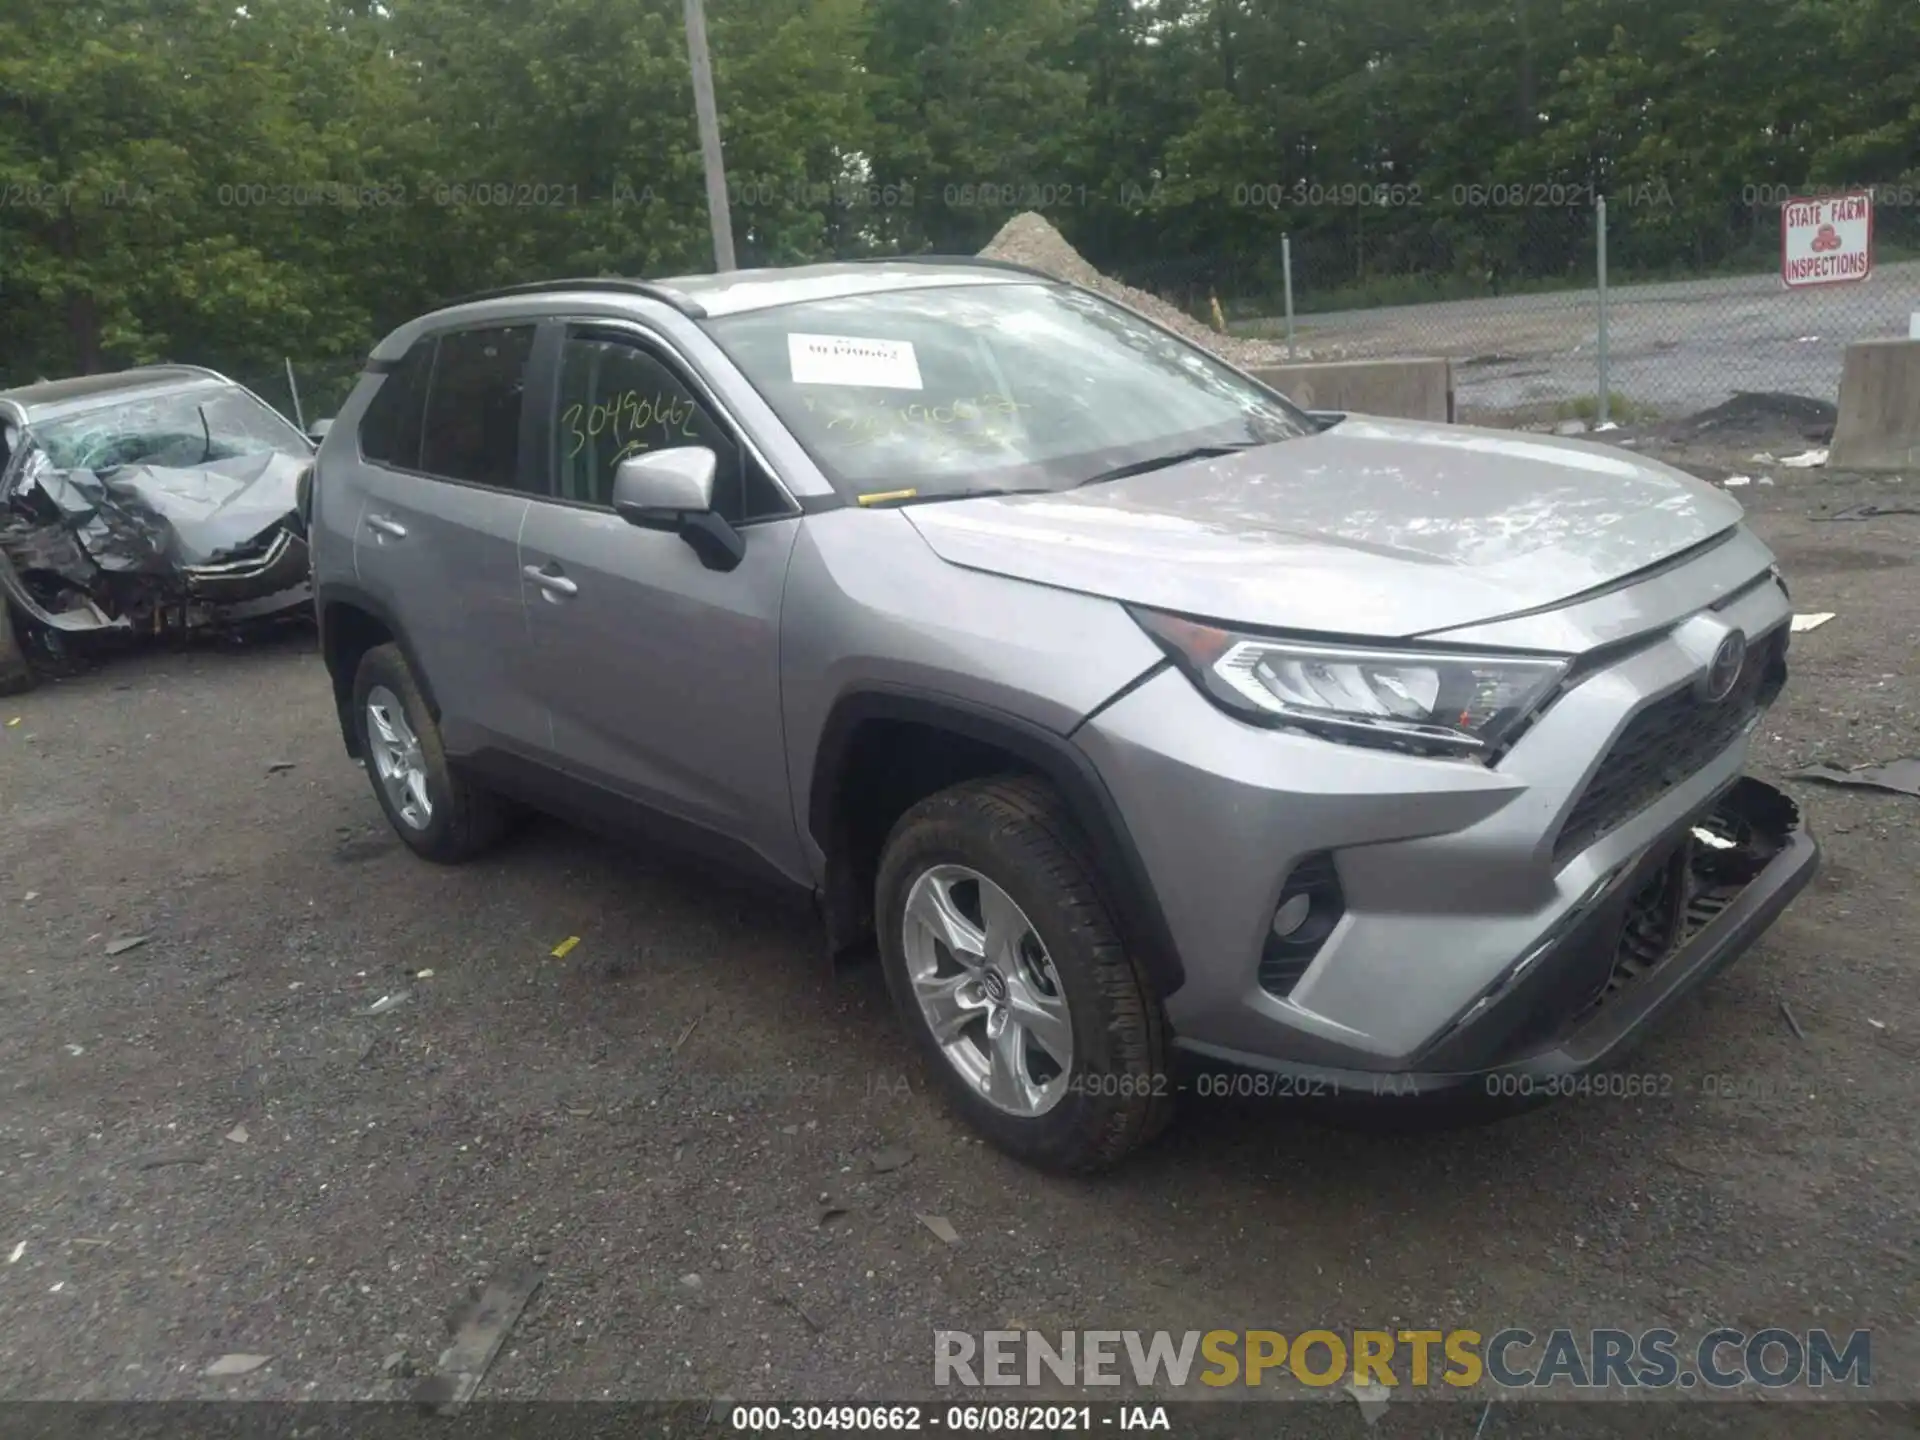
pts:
pixel 662 677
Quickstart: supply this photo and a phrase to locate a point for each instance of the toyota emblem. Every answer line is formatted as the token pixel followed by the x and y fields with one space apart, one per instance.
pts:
pixel 1723 672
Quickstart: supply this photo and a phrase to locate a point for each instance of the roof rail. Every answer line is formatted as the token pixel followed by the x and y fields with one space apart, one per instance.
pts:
pixel 979 261
pixel 678 299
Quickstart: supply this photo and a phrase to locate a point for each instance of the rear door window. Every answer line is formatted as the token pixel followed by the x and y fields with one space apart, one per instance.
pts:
pixel 475 403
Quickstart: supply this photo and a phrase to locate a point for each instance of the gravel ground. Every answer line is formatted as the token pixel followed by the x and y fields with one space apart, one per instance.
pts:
pixel 714 1149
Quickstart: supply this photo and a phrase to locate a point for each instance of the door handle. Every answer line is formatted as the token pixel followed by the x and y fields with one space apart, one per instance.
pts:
pixel 385 526
pixel 556 585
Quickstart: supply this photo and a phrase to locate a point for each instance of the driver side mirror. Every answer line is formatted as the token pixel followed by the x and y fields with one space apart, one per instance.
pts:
pixel 672 490
pixel 317 431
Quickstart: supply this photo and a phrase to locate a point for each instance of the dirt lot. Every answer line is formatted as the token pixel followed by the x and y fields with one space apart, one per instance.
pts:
pixel 211 1145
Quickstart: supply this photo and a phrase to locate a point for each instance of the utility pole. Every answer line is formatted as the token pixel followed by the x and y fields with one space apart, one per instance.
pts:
pixel 719 214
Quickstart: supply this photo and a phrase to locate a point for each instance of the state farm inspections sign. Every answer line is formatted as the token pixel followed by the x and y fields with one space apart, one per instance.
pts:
pixel 1826 240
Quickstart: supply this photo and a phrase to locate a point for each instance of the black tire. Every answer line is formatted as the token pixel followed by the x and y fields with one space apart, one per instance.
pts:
pixel 1017 832
pixel 465 818
pixel 16 673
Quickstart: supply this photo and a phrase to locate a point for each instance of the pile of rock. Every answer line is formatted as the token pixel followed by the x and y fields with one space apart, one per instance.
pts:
pixel 1028 239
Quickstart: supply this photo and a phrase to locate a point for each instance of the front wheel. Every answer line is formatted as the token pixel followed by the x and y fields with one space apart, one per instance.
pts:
pixel 1005 964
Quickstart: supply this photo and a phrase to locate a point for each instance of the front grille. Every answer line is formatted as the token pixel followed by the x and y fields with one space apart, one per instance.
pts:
pixel 1667 742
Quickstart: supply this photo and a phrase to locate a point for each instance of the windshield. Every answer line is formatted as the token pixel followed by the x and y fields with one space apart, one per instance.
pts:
pixel 187 428
pixel 976 388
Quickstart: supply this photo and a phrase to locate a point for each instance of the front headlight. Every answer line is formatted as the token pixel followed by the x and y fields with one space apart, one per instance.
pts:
pixel 1427 701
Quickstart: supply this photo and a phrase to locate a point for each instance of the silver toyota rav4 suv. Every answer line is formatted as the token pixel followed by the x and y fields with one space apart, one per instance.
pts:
pixel 1132 711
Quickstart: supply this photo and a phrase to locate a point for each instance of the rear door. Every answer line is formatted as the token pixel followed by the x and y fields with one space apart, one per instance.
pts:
pixel 662 676
pixel 449 460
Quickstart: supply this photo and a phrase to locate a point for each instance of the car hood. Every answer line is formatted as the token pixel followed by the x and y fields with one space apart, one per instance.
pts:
pixel 1373 527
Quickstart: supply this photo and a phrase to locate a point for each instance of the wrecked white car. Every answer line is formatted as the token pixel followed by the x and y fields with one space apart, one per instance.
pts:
pixel 152 500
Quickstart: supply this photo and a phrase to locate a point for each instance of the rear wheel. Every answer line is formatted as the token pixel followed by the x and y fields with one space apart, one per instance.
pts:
pixel 16 675
pixel 1005 964
pixel 439 812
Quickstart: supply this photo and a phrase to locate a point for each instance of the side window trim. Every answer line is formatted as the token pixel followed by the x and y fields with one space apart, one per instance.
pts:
pixel 663 352
pixel 534 415
pixel 390 372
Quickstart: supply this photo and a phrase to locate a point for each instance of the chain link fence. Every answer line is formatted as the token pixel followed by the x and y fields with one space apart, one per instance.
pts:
pixel 1555 312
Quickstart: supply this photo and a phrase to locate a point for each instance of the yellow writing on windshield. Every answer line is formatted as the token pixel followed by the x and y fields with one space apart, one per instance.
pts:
pixel 970 417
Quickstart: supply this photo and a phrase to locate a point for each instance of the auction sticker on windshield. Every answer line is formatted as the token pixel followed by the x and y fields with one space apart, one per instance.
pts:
pixel 850 360
pixel 1826 240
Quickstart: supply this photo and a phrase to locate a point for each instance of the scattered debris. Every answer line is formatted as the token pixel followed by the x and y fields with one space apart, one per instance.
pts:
pixel 1806 460
pixel 1804 623
pixel 160 1162
pixel 1877 1024
pixel 125 943
pixel 238 1135
pixel 31 896
pixel 1571 427
pixel 76 1049
pixel 1733 481
pixel 940 1226
pixel 694 1025
pixel 1870 511
pixel 388 1002
pixel 1372 1399
pixel 399 1365
pixel 423 974
pixel 477 1339
pixel 1900 776
pixel 891 1158
pixel 691 1282
pixel 565 947
pixel 13 722
pixel 236 1365
pixel 789 1129
pixel 56 1287
pixel 1763 458
pixel 1605 425
pixel 792 1303
pixel 274 767
pixel 1792 1023
pixel 14 1257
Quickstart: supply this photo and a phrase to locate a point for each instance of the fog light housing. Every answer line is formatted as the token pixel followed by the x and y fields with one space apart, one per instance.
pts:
pixel 1311 905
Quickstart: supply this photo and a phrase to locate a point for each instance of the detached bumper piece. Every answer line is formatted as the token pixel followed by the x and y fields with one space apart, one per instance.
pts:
pixel 1652 931
pixel 1579 1000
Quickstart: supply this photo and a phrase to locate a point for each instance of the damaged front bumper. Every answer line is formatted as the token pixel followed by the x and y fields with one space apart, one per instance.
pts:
pixel 1580 999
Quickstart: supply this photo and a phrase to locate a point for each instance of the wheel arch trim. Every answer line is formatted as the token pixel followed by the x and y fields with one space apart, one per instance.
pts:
pixel 338 593
pixel 1122 877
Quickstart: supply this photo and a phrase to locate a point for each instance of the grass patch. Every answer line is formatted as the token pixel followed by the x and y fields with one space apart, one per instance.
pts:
pixel 1621 409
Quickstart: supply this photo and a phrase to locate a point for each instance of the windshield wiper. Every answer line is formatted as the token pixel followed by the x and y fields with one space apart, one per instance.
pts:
pixel 1178 457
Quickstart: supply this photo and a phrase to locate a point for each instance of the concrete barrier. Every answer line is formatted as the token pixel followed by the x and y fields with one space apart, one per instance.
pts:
pixel 1411 388
pixel 1879 425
